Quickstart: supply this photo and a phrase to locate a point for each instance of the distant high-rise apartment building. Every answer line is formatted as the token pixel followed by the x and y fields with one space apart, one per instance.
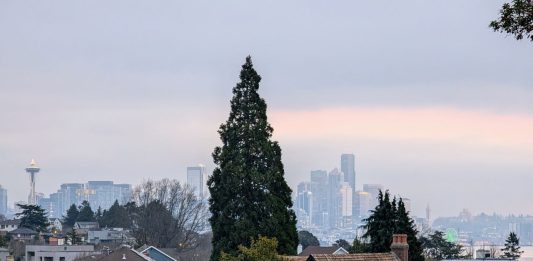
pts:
pixel 319 190
pixel 196 179
pixel 103 194
pixel 373 190
pixel 362 205
pixel 348 169
pixel 407 204
pixel 334 198
pixel 304 204
pixel 346 200
pixel 3 201
pixel 98 193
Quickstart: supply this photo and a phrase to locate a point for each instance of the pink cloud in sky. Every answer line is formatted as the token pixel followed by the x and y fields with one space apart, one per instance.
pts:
pixel 431 124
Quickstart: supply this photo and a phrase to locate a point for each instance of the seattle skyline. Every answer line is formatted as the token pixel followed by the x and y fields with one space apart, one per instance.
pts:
pixel 148 102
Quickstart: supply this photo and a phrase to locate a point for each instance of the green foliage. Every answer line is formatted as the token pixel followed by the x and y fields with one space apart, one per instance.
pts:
pixel 380 225
pixel 437 247
pixel 406 225
pixel 262 249
pixel 516 19
pixel 388 218
pixel 306 239
pixel 33 217
pixel 116 216
pixel 73 237
pixel 72 216
pixel 3 241
pixel 344 244
pixel 512 247
pixel 249 194
pixel 86 214
pixel 358 246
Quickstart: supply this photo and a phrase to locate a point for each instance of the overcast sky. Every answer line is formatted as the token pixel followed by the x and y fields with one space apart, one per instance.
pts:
pixel 435 106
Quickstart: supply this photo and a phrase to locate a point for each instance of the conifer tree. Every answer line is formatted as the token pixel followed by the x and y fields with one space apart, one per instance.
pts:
pixel 512 247
pixel 406 225
pixel 72 216
pixel 249 194
pixel 33 217
pixel 86 214
pixel 380 225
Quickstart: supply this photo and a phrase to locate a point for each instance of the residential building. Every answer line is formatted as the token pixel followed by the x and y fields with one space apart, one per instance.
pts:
pixel 304 204
pixel 335 178
pixel 348 169
pixel 59 253
pixel 8 225
pixel 22 234
pixel 319 192
pixel 362 205
pixel 330 250
pixel 3 201
pixel 373 191
pixel 98 193
pixel 196 179
pixel 346 200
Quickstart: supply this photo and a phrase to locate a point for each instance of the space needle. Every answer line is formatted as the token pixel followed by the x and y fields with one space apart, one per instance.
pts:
pixel 32 170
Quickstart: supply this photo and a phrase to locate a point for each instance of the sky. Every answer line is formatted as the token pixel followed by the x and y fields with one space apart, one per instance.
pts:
pixel 434 105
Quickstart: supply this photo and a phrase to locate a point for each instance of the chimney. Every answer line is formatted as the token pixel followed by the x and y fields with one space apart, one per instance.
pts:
pixel 400 247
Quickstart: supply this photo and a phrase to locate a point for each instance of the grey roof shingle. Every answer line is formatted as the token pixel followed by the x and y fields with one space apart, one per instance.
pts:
pixel 355 257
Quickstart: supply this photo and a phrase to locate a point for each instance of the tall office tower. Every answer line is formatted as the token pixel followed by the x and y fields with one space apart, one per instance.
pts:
pixel 103 194
pixel 373 190
pixel 32 170
pixel 348 169
pixel 346 199
pixel 319 190
pixel 71 195
pixel 304 204
pixel 428 215
pixel 407 203
pixel 362 205
pixel 3 201
pixel 334 198
pixel 196 179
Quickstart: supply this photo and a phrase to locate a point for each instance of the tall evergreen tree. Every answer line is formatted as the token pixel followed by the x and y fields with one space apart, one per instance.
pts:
pixel 72 216
pixel 406 225
pixel 306 239
pixel 512 247
pixel 33 217
pixel 380 225
pixel 249 194
pixel 86 214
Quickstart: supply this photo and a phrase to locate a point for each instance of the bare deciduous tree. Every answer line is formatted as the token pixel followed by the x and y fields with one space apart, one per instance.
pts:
pixel 168 214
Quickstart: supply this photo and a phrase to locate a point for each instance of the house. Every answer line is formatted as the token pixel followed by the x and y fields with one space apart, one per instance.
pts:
pixel 355 257
pixel 4 253
pixel 24 234
pixel 399 252
pixel 330 250
pixel 8 225
pixel 60 253
pixel 106 235
pixel 157 254
pixel 86 225
pixel 55 223
pixel 83 228
pixel 122 253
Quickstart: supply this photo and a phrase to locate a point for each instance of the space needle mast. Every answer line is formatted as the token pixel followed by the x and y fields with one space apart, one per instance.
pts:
pixel 32 170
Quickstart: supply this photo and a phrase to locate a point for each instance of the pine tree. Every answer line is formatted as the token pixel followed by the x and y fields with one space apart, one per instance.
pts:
pixel 33 217
pixel 72 216
pixel 512 247
pixel 249 195
pixel 406 225
pixel 86 214
pixel 306 239
pixel 380 225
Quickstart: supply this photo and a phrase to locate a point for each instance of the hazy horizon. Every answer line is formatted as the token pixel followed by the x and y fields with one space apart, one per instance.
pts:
pixel 434 105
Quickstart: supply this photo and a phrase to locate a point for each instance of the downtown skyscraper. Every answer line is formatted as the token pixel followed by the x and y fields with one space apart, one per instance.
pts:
pixel 197 180
pixel 3 201
pixel 348 169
